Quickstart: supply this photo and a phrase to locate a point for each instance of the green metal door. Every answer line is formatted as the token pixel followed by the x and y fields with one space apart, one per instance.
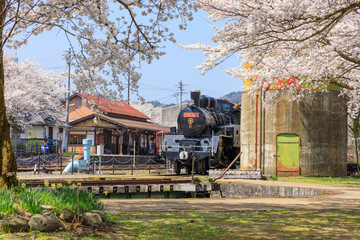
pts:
pixel 288 152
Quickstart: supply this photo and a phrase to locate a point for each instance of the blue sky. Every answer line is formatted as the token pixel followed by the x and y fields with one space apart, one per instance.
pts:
pixel 161 78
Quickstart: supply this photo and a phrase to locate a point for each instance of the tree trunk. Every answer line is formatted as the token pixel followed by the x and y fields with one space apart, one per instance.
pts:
pixel 356 135
pixel 357 156
pixel 7 157
pixel 355 129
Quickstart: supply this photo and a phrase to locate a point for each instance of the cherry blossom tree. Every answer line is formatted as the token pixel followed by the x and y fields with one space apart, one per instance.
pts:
pixel 313 42
pixel 106 38
pixel 31 93
pixel 155 113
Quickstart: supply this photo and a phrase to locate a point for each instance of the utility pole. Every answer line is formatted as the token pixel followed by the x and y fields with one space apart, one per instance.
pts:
pixel 128 100
pixel 128 77
pixel 66 137
pixel 181 91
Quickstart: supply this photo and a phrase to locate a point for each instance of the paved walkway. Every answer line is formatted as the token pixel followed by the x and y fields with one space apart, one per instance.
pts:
pixel 337 197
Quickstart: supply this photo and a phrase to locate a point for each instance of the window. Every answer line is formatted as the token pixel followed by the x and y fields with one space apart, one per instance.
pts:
pixel 51 132
pixel 77 102
pixel 76 139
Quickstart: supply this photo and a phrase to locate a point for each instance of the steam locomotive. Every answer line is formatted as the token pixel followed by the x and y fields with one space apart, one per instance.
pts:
pixel 208 135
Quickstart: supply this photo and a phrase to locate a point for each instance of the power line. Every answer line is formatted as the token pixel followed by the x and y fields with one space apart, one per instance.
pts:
pixel 154 87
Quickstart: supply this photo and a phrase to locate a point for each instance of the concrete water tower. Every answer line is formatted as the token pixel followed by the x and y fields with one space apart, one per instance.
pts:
pixel 307 137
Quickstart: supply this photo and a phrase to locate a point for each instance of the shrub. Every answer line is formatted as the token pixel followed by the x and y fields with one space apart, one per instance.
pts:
pixel 66 198
pixel 274 178
pixel 7 201
pixel 31 200
pixel 20 145
pixel 69 153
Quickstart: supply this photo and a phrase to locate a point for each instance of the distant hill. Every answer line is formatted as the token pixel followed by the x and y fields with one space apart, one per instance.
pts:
pixel 159 104
pixel 233 97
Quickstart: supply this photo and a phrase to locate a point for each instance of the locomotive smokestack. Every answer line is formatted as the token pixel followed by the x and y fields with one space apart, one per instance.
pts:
pixel 212 103
pixel 195 96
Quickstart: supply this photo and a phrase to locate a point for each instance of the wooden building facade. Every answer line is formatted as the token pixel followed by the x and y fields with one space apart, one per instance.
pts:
pixel 114 126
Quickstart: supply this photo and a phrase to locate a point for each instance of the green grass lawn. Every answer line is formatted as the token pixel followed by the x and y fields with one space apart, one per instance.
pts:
pixel 239 225
pixel 355 181
pixel 274 224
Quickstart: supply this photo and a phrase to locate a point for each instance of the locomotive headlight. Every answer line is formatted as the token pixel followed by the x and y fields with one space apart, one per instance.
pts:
pixel 183 155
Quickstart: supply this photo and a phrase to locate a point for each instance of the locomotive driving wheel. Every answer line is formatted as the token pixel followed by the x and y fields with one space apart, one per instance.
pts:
pixel 202 166
pixel 177 167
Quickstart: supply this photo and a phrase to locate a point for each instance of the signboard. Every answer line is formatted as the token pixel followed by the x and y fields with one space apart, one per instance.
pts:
pixel 191 114
pixel 44 148
pixel 35 134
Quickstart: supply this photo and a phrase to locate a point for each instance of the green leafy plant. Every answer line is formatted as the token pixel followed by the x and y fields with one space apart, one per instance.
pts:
pixel 29 200
pixel 60 197
pixel 274 178
pixel 69 153
pixel 34 143
pixel 66 198
pixel 7 201
pixel 323 180
pixel 20 145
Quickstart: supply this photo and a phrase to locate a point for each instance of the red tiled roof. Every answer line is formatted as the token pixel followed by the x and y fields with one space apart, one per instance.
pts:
pixel 116 107
pixel 81 112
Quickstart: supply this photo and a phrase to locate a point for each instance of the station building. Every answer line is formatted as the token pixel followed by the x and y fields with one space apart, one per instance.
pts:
pixel 114 126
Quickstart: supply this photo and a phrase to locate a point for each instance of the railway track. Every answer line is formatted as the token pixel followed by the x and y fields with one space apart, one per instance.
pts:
pixel 128 188
pixel 106 168
pixel 133 181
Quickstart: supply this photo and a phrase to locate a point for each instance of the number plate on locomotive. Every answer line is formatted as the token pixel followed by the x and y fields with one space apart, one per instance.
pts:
pixel 191 114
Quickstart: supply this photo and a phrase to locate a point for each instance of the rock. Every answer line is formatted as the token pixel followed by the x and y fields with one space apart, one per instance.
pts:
pixel 91 219
pixel 79 232
pixel 21 235
pixel 101 213
pixel 47 208
pixel 67 216
pixel 27 214
pixel 44 222
pixel 15 224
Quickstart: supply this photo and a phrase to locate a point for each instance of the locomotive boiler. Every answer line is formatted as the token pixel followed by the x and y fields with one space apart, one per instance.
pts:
pixel 208 135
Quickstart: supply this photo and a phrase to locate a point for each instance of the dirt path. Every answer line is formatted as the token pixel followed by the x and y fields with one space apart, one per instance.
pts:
pixel 338 197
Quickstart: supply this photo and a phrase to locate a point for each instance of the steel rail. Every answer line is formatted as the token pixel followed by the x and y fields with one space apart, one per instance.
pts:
pixel 38 183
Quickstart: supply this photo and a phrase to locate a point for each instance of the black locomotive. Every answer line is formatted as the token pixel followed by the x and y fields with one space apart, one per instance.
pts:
pixel 208 135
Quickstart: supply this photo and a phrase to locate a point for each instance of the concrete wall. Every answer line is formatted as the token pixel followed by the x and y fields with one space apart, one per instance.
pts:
pixel 170 115
pixel 319 120
pixel 237 190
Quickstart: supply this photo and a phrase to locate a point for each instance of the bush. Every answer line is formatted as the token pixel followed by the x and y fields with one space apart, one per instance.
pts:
pixel 20 145
pixel 7 201
pixel 66 198
pixel 35 143
pixel 69 153
pixel 274 178
pixel 31 199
